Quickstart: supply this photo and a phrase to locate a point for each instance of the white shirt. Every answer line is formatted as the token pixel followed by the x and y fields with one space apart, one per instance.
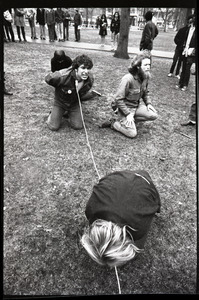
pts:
pixel 187 51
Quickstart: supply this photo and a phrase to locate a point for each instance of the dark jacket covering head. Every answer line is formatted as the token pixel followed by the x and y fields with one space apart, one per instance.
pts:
pixel 60 61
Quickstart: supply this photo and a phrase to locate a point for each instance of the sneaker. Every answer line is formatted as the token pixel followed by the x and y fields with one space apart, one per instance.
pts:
pixel 170 75
pixel 177 76
pixel 177 87
pixel 184 88
pixel 189 122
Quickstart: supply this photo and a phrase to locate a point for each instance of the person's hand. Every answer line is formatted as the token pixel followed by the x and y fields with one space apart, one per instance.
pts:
pixel 129 120
pixel 150 107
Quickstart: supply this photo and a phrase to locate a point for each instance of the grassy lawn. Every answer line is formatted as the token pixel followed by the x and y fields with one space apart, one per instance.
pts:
pixel 48 178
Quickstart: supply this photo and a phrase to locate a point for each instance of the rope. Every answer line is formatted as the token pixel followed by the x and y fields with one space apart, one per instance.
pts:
pixel 93 160
pixel 118 281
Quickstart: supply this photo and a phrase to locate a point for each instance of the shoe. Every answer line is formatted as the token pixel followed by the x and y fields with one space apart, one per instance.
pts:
pixel 7 93
pixel 184 88
pixel 170 75
pixel 177 76
pixel 177 87
pixel 108 123
pixel 189 122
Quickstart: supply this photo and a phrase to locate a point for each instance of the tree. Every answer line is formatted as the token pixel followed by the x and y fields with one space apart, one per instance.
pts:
pixel 122 48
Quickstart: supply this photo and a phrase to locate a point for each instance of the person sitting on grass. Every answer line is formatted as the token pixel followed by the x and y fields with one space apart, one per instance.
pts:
pixel 120 211
pixel 66 83
pixel 127 100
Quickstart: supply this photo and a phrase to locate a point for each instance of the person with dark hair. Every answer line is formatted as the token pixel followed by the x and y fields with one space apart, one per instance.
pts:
pixel 103 29
pixel 179 40
pixel 127 100
pixel 149 33
pixel 60 61
pixel 115 29
pixel 68 83
pixel 19 21
pixel 188 55
pixel 41 19
pixel 77 25
pixel 120 211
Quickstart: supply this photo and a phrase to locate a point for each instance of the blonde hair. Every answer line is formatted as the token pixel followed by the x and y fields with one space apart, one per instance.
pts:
pixel 109 244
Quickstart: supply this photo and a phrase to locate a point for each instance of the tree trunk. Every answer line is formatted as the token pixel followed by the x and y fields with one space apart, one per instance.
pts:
pixel 122 48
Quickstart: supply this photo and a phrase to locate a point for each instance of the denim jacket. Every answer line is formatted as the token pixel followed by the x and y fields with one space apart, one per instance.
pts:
pixel 129 93
pixel 65 89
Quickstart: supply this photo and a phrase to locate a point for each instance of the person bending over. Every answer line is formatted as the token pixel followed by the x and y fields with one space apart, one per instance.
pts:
pixel 120 211
pixel 66 81
pixel 131 100
pixel 60 61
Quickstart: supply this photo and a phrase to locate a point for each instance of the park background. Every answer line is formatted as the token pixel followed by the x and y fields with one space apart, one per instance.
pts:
pixel 48 177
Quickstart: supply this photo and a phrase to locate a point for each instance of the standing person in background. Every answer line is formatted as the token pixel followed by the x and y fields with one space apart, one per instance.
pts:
pixel 115 29
pixel 103 29
pixel 66 22
pixel 19 21
pixel 40 18
pixel 59 17
pixel 179 40
pixel 149 33
pixel 188 55
pixel 7 22
pixel 31 19
pixel 77 24
pixel 50 20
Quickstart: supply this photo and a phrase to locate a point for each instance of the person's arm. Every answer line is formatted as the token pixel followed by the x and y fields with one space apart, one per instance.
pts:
pixel 120 95
pixel 147 99
pixel 54 78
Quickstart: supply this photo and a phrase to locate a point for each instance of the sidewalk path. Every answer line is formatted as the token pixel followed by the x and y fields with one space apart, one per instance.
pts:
pixel 89 46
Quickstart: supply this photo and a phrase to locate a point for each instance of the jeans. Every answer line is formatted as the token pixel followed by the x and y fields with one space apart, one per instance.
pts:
pixel 55 118
pixel 77 33
pixel 140 114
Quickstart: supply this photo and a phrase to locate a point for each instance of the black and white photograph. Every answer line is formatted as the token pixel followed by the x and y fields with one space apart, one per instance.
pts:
pixel 99 153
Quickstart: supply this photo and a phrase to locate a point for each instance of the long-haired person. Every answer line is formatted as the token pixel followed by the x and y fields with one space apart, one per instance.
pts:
pixel 103 28
pixel 120 211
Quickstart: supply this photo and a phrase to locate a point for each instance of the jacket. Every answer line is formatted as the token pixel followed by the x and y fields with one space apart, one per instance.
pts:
pixel 77 19
pixel 180 38
pixel 129 93
pixel 125 198
pixel 115 26
pixel 50 17
pixel 40 16
pixel 149 33
pixel 65 89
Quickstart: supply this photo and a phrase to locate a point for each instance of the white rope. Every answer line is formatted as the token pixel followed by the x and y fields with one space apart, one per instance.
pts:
pixel 91 152
pixel 87 139
pixel 118 281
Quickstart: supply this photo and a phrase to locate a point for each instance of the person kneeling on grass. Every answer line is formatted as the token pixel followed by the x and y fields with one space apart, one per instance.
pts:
pixel 66 81
pixel 127 100
pixel 120 211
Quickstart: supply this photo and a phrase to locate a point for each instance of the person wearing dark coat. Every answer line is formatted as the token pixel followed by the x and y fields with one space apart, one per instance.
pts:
pixel 41 19
pixel 115 29
pixel 120 211
pixel 60 61
pixel 77 24
pixel 179 40
pixel 103 29
pixel 149 33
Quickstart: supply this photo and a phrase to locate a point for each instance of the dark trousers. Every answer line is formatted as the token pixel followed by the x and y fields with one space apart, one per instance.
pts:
pixel 77 33
pixel 66 31
pixel 186 67
pixel 51 32
pixel 177 58
pixel 192 113
pixel 22 31
pixel 9 31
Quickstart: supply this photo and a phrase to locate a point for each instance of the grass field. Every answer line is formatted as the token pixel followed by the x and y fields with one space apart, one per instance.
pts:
pixel 48 178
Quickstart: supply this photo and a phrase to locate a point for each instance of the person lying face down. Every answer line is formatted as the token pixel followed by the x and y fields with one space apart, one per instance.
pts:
pixel 60 61
pixel 120 211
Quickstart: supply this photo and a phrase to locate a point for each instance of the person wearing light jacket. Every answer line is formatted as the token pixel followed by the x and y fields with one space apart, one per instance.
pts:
pixel 131 101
